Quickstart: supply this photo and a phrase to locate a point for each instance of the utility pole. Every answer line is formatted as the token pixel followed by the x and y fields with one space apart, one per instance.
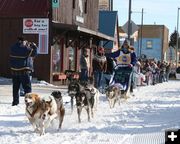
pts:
pixel 177 56
pixel 111 5
pixel 140 52
pixel 129 22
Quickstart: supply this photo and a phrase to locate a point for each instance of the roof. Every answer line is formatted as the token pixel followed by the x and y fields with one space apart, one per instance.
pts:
pixel 69 27
pixel 121 30
pixel 107 22
pixel 22 8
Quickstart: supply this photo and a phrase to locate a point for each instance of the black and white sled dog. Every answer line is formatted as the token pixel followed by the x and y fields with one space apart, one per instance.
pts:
pixel 73 88
pixel 94 92
pixel 60 106
pixel 113 95
pixel 86 96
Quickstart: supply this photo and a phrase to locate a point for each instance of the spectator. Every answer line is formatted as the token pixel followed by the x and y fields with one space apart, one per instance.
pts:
pixel 168 70
pixel 31 60
pixel 85 65
pixel 99 65
pixel 20 54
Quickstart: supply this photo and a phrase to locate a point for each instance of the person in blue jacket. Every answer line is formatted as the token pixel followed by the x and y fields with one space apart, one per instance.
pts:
pixel 125 56
pixel 21 67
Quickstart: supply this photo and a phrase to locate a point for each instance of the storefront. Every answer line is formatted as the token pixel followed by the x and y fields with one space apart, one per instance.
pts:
pixel 60 34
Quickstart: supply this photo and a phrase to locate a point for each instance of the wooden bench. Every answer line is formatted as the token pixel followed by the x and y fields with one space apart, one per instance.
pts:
pixel 61 77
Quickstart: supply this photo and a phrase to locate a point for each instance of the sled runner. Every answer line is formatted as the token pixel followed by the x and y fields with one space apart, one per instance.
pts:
pixel 122 78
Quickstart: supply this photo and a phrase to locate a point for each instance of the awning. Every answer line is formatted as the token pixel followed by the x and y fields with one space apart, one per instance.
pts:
pixel 69 27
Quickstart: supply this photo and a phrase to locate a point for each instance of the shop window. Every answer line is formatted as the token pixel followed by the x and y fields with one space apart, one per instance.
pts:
pixel 85 7
pixel 72 58
pixel 74 4
pixel 56 58
pixel 149 44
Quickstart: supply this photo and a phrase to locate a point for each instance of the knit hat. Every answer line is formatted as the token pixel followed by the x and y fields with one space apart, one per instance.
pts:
pixel 126 42
pixel 100 50
pixel 20 38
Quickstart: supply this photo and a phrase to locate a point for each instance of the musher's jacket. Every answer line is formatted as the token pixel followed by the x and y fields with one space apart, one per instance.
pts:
pixel 124 58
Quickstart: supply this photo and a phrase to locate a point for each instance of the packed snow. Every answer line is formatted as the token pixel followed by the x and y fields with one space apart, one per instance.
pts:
pixel 141 119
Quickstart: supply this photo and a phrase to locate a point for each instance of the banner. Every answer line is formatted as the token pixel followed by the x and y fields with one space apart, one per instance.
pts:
pixel 43 44
pixel 38 26
pixel 35 25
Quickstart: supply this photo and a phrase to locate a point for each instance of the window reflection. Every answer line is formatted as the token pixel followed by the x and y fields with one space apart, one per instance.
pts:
pixel 56 56
pixel 71 58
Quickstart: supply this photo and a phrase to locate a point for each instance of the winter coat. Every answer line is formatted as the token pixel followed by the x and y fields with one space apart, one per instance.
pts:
pixel 84 62
pixel 99 63
pixel 124 58
pixel 110 65
pixel 20 57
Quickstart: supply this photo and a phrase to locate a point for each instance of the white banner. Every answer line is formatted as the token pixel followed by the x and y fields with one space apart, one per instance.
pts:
pixel 38 26
pixel 35 25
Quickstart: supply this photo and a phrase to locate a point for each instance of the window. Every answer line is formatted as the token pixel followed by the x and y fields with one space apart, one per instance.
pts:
pixel 72 58
pixel 149 44
pixel 85 7
pixel 74 4
pixel 56 57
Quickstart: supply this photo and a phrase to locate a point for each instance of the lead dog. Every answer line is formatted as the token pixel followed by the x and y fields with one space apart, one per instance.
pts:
pixel 113 94
pixel 40 111
pixel 60 106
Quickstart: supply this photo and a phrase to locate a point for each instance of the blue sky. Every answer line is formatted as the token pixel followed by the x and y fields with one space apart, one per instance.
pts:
pixel 160 12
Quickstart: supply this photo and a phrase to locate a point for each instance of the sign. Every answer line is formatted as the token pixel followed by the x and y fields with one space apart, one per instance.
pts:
pixel 134 27
pixel 104 5
pixel 172 136
pixel 35 25
pixel 38 26
pixel 55 3
pixel 80 19
pixel 43 44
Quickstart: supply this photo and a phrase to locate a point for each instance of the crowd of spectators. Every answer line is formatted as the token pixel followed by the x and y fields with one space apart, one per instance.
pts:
pixel 151 72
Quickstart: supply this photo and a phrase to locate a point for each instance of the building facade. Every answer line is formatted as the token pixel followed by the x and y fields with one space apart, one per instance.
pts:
pixel 61 30
pixel 152 42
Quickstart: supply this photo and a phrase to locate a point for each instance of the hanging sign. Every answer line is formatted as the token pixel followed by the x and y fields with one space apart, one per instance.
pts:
pixel 35 25
pixel 55 3
pixel 38 26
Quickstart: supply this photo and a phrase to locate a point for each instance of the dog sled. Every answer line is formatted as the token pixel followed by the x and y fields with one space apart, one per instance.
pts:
pixel 122 77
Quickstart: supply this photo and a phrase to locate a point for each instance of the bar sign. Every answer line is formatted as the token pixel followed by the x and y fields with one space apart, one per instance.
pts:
pixel 55 3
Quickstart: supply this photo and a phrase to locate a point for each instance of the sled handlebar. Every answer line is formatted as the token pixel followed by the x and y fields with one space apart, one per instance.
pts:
pixel 120 65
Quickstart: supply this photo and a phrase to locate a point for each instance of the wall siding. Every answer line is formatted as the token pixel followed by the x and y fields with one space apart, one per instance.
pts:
pixel 67 14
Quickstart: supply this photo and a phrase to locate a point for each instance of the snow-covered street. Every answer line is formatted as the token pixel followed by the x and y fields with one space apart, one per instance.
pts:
pixel 141 119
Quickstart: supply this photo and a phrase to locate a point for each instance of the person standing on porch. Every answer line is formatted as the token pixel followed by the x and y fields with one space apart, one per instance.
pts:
pixel 99 65
pixel 85 65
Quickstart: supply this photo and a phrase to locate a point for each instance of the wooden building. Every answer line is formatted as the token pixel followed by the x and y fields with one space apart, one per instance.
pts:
pixel 61 30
